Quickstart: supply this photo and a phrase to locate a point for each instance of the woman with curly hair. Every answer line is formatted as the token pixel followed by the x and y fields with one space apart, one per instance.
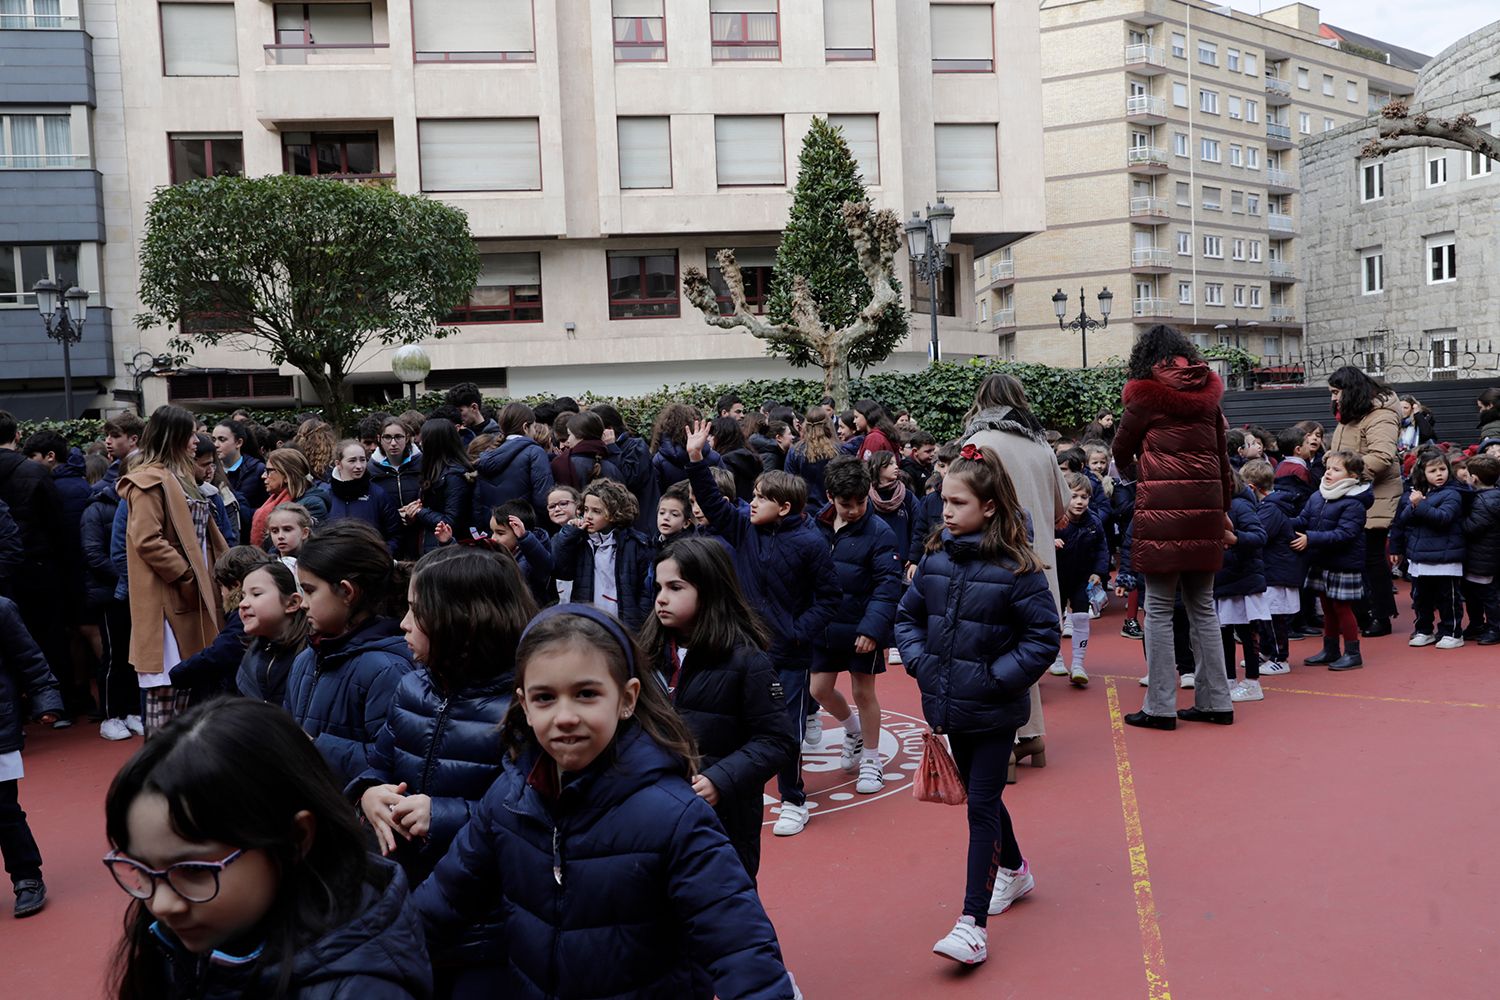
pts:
pixel 316 440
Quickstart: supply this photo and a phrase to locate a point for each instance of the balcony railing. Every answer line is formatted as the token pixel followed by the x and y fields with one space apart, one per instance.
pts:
pixel 1283 314
pixel 1279 222
pixel 1151 307
pixel 1150 55
pixel 1280 178
pixel 1002 269
pixel 1002 318
pixel 318 54
pixel 1145 104
pixel 1150 257
pixel 1275 131
pixel 44 161
pixel 42 22
pixel 1140 156
pixel 1149 206
pixel 1278 87
pixel 1281 269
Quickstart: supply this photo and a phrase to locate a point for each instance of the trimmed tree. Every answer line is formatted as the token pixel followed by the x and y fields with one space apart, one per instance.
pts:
pixel 305 272
pixel 1400 129
pixel 835 301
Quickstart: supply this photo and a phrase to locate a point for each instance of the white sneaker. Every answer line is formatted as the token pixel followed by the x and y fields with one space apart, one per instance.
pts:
pixel 1188 681
pixel 114 730
pixel 965 943
pixel 1146 681
pixel 1079 677
pixel 812 734
pixel 1422 639
pixel 893 656
pixel 1247 690
pixel 1095 613
pixel 1450 642
pixel 133 723
pixel 791 821
pixel 854 746
pixel 1058 668
pixel 1274 667
pixel 1067 626
pixel 1010 886
pixel 871 776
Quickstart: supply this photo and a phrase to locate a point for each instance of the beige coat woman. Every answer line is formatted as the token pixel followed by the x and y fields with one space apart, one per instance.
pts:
pixel 1374 437
pixel 169 578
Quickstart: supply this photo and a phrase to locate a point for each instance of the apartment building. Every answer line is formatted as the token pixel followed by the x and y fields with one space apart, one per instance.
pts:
pixel 598 147
pixel 1171 147
pixel 1401 250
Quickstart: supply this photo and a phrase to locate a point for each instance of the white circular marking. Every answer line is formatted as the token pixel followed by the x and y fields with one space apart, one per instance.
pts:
pixel 841 796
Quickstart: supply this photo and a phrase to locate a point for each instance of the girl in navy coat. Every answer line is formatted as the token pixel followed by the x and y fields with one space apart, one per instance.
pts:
pixel 709 651
pixel 1240 590
pixel 350 493
pixel 340 688
pixel 605 558
pixel 1331 530
pixel 516 469
pixel 614 877
pixel 247 871
pixel 977 628
pixel 892 501
pixel 439 753
pixel 1429 532
pixel 447 485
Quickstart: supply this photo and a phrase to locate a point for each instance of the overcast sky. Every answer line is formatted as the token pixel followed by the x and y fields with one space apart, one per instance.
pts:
pixel 1428 27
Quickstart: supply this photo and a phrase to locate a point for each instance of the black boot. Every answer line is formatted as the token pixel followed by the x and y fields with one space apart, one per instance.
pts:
pixel 31 896
pixel 1196 714
pixel 1350 660
pixel 1377 627
pixel 1329 654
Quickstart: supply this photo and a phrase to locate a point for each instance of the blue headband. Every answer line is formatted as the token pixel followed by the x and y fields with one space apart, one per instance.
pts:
pixel 593 614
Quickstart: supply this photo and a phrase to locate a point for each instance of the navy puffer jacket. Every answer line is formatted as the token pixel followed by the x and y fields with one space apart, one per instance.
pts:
pixel 632 458
pixel 1284 567
pixel 1085 552
pixel 378 954
pixel 812 472
pixel 869 568
pixel 976 635
pixel 518 469
pixel 671 462
pixel 619 885
pixel 98 522
pixel 929 515
pixel 1482 532
pixel 212 670
pixel 340 692
pixel 450 501
pixel 23 670
pixel 265 667
pixel 1335 529
pixel 1432 531
pixel 361 500
pixel 573 559
pixel 402 482
pixel 1244 570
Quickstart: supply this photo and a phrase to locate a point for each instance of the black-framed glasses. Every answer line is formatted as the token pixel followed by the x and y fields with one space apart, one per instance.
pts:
pixel 393 437
pixel 194 881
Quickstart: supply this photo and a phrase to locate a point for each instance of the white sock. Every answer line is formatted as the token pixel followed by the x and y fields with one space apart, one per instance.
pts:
pixel 1080 638
pixel 851 724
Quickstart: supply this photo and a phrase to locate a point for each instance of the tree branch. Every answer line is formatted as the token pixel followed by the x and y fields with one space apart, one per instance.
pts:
pixel 701 294
pixel 1400 129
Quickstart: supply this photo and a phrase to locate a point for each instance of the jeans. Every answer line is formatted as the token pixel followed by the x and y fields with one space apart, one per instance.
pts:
pixel 1211 692
pixel 789 781
pixel 982 760
pixel 23 859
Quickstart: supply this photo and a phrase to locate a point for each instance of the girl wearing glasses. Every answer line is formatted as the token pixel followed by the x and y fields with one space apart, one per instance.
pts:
pixel 267 892
pixel 396 467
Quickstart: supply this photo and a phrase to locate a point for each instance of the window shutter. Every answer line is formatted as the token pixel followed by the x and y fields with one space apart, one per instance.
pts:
pixel 742 6
pixel 480 155
pixel 963 32
pixel 967 158
pixel 848 24
pixel 500 269
pixel 638 8
pixel 749 150
pixel 473 25
pixel 861 133
pixel 645 153
pixel 198 39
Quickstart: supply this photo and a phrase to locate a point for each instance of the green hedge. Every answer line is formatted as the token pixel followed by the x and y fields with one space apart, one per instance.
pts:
pixel 937 397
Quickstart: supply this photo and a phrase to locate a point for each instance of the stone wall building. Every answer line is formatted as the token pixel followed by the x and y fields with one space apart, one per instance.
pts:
pixel 1401 252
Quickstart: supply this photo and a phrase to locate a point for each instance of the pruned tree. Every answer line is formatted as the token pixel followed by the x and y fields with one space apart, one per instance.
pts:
pixel 302 271
pixel 835 300
pixel 1400 129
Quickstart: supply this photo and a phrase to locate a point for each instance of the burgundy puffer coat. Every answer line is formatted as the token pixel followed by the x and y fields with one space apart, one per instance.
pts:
pixel 1174 433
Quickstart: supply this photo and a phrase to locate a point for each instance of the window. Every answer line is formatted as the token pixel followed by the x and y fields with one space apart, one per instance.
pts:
pixel 1235 107
pixel 1252 202
pixel 1184 194
pixel 643 284
pixel 1351 91
pixel 1372 271
pixel 476 30
pixel 1254 296
pixel 1252 111
pixel 22 14
pixel 1372 182
pixel 749 150
pixel 1303 81
pixel 1210 151
pixel 1232 60
pixel 1208 101
pixel 1239 296
pixel 862 133
pixel 1442 258
pixel 1211 197
pixel 967 158
pixel 195 156
pixel 1327 85
pixel 1208 53
pixel 1304 123
pixel 848 30
pixel 1252 64
pixel 1369 354
pixel 1179 95
pixel 32 141
pixel 1236 154
pixel 1180 143
pixel 1479 165
pixel 1252 157
pixel 197 39
pixel 509 290
pixel 1184 244
pixel 1437 169
pixel 1213 247
pixel 745 30
pixel 756 264
pixel 21 267
pixel 1238 249
pixel 1327 124
pixel 1185 292
pixel 645 152
pixel 1179 45
pixel 309 24
pixel 963 38
pixel 1255 251
pixel 640 29
pixel 1444 352
pixel 1213 293
pixel 330 154
pixel 1237 202
pixel 480 154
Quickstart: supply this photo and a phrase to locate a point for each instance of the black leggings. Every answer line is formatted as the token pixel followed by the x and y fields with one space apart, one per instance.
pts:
pixel 119 693
pixel 1247 642
pixel 1380 600
pixel 982 760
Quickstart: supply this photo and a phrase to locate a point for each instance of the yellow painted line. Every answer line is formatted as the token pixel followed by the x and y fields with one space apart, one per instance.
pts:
pixel 1152 953
pixel 1111 678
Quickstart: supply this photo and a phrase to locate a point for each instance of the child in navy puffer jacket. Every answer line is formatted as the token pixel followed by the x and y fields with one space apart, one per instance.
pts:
pixel 977 628
pixel 605 558
pixel 1285 570
pixel 1429 532
pixel 1240 591
pixel 1082 561
pixel 1331 530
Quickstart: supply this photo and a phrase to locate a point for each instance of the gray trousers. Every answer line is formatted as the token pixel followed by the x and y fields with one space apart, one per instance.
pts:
pixel 1211 692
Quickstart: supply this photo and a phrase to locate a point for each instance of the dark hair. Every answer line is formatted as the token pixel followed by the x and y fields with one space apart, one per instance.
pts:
pixel 725 619
pixel 1289 439
pixel 679 492
pixel 294 633
pixel 671 425
pixel 279 432
pixel 610 416
pixel 126 423
pixel 441 447
pixel 232 567
pixel 1073 459
pixel 49 442
pixel 448 412
pixel 473 606
pixel 1267 439
pixel 847 478
pixel 586 426
pixel 1489 403
pixel 544 413
pixel 514 418
pixel 727 435
pixel 879 460
pixel 921 439
pixel 783 487
pixel 1235 439
pixel 519 509
pixel 1352 461
pixel 464 394
pixel 776 428
pixel 1419 468
pixel 369 428
pixel 875 416
pixel 8 427
pixel 1484 468
pixel 784 413
pixel 726 403
pixel 653 713
pixel 1158 344
pixel 566 404
pixel 947 452
pixel 1005 536
pixel 204 445
pixel 619 503
pixel 1004 390
pixel 238 771
pixel 1357 393
pixel 354 551
pixel 754 423
pixel 95 465
pixel 241 433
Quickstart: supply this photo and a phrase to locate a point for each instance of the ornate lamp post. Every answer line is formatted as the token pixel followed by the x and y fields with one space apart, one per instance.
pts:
pixel 927 240
pixel 1084 323
pixel 410 365
pixel 63 317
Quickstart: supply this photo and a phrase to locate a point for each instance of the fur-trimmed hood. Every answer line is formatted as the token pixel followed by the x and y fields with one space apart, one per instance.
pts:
pixel 1180 390
pixel 999 419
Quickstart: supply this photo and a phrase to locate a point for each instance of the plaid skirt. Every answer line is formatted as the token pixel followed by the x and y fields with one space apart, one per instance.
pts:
pixel 1336 585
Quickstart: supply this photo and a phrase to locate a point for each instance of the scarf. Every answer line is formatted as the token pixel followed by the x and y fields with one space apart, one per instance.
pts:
pixel 1342 488
pixel 1005 419
pixel 258 520
pixel 892 504
pixel 348 490
pixel 562 465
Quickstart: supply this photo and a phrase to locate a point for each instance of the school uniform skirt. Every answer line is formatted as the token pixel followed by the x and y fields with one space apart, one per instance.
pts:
pixel 1336 585
pixel 1243 610
pixel 1284 600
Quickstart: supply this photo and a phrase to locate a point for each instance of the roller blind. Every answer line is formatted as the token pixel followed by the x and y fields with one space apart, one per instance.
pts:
pixel 499 269
pixel 966 158
pixel 341 23
pixel 499 154
pixel 848 24
pixel 645 153
pixel 962 32
pixel 748 149
pixel 638 8
pixel 473 25
pixel 860 132
pixel 197 39
pixel 746 257
pixel 742 6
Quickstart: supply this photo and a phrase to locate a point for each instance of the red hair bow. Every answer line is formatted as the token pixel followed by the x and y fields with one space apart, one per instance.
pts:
pixel 970 453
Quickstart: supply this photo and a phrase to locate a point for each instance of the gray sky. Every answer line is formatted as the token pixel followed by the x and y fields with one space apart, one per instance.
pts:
pixel 1427 27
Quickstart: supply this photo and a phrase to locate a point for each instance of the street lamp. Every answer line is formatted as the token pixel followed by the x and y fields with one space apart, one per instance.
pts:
pixel 927 240
pixel 63 317
pixel 1084 323
pixel 410 365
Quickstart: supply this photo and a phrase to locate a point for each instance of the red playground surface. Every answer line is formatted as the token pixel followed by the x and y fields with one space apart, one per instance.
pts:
pixel 1336 842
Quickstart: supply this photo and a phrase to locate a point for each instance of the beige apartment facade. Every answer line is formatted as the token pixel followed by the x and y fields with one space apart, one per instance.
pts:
pixel 1171 142
pixel 599 147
